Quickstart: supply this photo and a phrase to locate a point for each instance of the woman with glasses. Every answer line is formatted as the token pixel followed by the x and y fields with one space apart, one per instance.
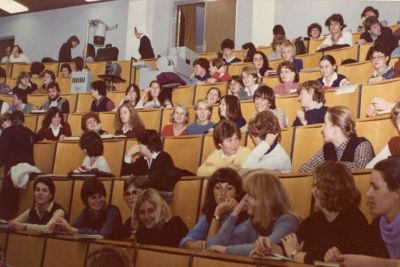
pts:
pixel 380 58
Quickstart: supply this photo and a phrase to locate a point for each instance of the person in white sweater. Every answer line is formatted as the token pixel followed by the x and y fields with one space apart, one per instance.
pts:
pixel 268 153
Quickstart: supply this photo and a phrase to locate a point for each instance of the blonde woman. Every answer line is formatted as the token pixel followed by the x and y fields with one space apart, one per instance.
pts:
pixel 179 119
pixel 153 221
pixel 270 215
pixel 203 113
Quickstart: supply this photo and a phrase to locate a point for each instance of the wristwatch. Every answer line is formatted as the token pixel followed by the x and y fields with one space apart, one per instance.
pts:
pixel 217 217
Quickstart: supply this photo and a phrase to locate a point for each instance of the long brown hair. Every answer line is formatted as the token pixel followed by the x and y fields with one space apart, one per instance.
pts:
pixel 134 119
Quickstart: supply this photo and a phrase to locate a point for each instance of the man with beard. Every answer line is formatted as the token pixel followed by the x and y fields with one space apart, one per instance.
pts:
pixel 55 100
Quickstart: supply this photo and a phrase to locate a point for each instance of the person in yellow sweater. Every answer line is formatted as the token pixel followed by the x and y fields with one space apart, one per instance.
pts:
pixel 229 153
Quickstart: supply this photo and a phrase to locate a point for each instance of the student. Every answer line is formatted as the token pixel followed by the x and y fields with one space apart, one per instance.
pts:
pixel 65 70
pixel 289 78
pixel 17 55
pixel 314 31
pixel 341 142
pixel 200 70
pixel 383 199
pixel 202 122
pixel 229 152
pixel 179 119
pixel 153 97
pixel 91 122
pixel 5 121
pixel 24 83
pixel 37 69
pixel 224 191
pixel 217 71
pixel 55 99
pixel 380 58
pixel 260 61
pixel 276 44
pixel 312 100
pixel 145 48
pixel 368 11
pixel 213 96
pixel 248 51
pixel 270 214
pixel 20 102
pixel 392 147
pixel 48 77
pixel 338 34
pixel 227 46
pixel 53 126
pixel 338 222
pixel 92 145
pixel 268 153
pixel 235 87
pixel 100 101
pixel 97 218
pixel 264 99
pixel 64 55
pixel 229 109
pixel 330 78
pixel 128 122
pixel 250 80
pixel 133 187
pixel 132 96
pixel 154 223
pixel 288 53
pixel 44 212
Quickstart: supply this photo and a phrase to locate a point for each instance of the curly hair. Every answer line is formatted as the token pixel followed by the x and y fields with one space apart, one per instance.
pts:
pixel 88 116
pixel 202 62
pixel 264 123
pixel 134 119
pixel 93 144
pixel 335 187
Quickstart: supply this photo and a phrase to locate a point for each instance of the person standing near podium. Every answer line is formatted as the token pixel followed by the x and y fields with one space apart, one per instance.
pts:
pixel 145 49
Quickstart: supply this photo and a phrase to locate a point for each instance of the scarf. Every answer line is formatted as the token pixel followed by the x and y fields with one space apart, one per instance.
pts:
pixel 390 232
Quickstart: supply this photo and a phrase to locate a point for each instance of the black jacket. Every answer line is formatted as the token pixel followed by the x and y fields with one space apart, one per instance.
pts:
pixel 145 49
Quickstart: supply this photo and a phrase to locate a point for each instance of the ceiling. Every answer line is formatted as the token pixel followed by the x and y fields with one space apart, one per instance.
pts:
pixel 41 5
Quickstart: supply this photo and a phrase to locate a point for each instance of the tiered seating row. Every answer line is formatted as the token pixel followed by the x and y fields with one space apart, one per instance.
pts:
pixel 37 251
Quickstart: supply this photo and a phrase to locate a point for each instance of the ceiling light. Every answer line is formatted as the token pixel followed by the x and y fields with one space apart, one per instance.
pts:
pixel 12 6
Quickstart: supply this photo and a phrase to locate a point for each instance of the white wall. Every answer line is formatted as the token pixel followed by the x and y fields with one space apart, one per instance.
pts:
pixel 41 34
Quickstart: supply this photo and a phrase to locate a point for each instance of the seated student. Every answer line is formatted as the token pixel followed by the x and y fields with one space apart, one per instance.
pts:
pixel 368 11
pixel 217 71
pixel 37 69
pixel 100 101
pixel 276 44
pixel 17 55
pixel 77 63
pixel 330 78
pixel 229 152
pixel 250 80
pixel 53 126
pixel 109 256
pixel 20 102
pixel 213 96
pixel 128 122
pixel 202 122
pixel 5 121
pixel 97 218
pixel 314 31
pixel 153 97
pixel 154 223
pixel 153 161
pixel 24 83
pixel 248 51
pixel 312 100
pixel 288 53
pixel 376 33
pixel 65 70
pixel 229 109
pixel 227 47
pixel 200 71
pixel 235 87
pixel 380 58
pixel 264 99
pixel 133 187
pixel 341 142
pixel 179 119
pixel 132 96
pixel 55 99
pixel 260 61
pixel 383 199
pixel 268 153
pixel 92 145
pixel 392 147
pixel 270 214
pixel 289 78
pixel 44 212
pixel 338 221
pixel 48 77
pixel 338 34
pixel 91 122
pixel 224 191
